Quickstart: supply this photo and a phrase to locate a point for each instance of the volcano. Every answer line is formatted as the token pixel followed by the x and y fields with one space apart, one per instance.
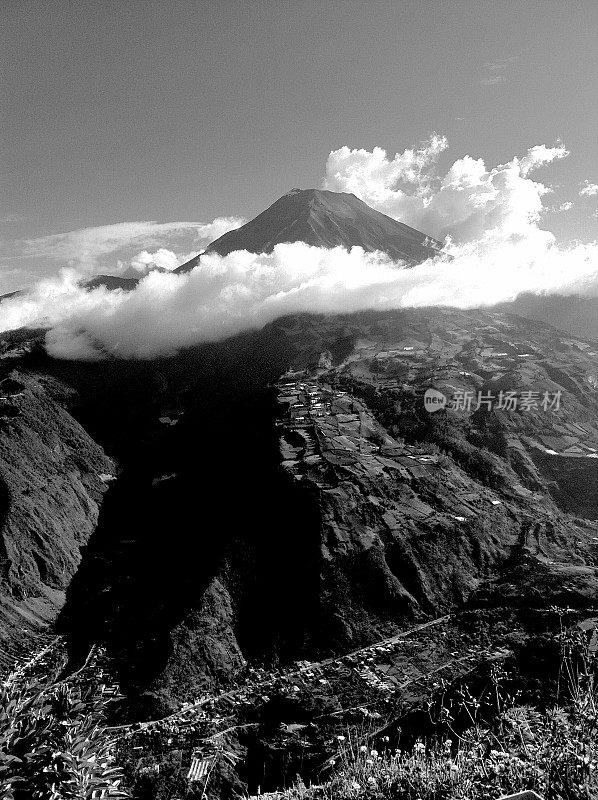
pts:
pixel 324 219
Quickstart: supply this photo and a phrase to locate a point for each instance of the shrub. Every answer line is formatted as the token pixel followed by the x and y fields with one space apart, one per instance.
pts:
pixel 53 741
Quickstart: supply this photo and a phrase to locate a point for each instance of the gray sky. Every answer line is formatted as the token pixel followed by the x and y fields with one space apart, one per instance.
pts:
pixel 182 111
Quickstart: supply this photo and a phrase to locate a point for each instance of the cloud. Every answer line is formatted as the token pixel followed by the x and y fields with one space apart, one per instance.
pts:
pixel 225 295
pixel 495 250
pixel 500 64
pixel 558 209
pixel 539 155
pixel 90 249
pixel 210 231
pixel 492 80
pixel 493 71
pixel 390 185
pixel 470 200
pixel 84 247
pixel 162 258
pixel 11 219
pixel 588 189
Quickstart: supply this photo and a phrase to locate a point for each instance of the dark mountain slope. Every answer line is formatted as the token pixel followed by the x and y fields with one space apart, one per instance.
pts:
pixel 52 478
pixel 324 219
pixel 348 543
pixel 112 282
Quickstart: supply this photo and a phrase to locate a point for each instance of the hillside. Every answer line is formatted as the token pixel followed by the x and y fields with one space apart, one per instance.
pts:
pixel 52 480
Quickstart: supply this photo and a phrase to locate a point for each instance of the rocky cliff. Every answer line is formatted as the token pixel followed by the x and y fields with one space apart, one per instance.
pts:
pixel 52 479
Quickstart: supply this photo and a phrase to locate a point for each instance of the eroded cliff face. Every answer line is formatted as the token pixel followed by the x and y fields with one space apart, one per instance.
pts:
pixel 52 480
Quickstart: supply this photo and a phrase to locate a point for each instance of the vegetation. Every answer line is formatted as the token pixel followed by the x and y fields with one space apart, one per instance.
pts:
pixel 53 741
pixel 490 745
pixel 54 744
pixel 402 413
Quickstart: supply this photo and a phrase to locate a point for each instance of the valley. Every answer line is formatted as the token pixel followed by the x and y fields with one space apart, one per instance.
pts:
pixel 285 508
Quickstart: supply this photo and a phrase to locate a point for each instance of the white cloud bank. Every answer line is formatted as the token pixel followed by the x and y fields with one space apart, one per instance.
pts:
pixel 588 189
pixel 162 258
pixel 85 249
pixel 468 203
pixel 496 245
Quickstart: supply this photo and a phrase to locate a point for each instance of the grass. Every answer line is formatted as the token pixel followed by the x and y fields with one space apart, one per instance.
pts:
pixel 490 745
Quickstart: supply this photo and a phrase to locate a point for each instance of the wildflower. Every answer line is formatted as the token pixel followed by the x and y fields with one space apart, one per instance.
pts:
pixel 419 747
pixel 374 753
pixel 369 762
pixel 363 749
pixel 386 739
pixel 355 786
pixel 332 762
pixel 340 738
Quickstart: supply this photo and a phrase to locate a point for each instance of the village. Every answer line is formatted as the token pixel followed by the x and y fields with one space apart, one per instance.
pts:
pixel 363 684
pixel 324 429
pixel 457 360
pixel 323 424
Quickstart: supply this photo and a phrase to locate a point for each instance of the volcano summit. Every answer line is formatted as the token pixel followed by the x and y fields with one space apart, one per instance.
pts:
pixel 324 219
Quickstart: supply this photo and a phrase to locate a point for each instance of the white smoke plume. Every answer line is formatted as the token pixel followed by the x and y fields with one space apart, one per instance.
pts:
pixel 497 251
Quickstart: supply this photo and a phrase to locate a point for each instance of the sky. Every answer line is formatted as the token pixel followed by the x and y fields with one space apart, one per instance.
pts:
pixel 133 133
